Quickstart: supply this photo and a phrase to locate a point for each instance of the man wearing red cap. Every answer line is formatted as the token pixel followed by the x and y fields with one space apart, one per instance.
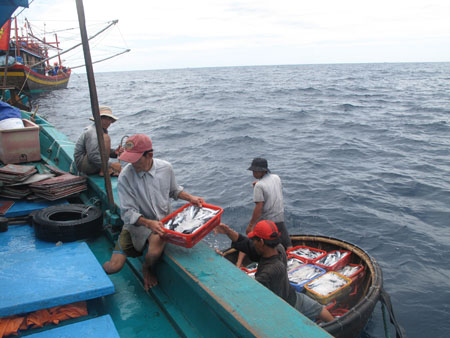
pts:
pixel 145 188
pixel 263 246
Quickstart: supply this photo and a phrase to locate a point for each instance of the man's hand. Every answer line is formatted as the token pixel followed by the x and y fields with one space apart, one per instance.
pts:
pixel 155 226
pixel 197 201
pixel 116 167
pixel 119 150
pixel 249 229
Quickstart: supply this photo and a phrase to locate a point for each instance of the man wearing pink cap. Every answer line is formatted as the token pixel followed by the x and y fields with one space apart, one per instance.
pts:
pixel 145 188
pixel 263 246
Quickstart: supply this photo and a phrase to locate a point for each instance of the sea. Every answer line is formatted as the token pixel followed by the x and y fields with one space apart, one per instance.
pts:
pixel 363 151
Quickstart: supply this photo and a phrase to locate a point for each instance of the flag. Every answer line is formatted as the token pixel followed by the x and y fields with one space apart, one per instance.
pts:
pixel 4 35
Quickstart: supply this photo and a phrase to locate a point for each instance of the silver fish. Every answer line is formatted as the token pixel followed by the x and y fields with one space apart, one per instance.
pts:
pixel 190 219
pixel 348 270
pixel 307 253
pixel 327 283
pixel 304 273
pixel 332 258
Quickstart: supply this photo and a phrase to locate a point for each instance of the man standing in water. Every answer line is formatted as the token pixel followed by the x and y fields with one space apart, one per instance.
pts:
pixel 145 187
pixel 269 204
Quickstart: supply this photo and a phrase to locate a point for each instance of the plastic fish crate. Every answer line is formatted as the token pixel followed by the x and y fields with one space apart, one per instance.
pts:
pixel 299 286
pixel 359 273
pixel 339 264
pixel 250 273
pixel 21 144
pixel 338 293
pixel 189 240
pixel 307 260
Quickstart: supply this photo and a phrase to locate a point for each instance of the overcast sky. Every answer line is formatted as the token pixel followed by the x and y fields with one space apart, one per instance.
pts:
pixel 205 33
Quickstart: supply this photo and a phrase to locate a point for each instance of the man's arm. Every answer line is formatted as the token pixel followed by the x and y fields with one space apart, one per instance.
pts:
pixel 198 201
pixel 238 241
pixel 257 212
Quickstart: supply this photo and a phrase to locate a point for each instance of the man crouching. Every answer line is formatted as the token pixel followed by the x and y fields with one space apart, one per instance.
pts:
pixel 145 187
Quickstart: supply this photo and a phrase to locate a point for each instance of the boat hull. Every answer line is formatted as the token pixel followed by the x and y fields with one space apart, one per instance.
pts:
pixel 22 77
pixel 353 322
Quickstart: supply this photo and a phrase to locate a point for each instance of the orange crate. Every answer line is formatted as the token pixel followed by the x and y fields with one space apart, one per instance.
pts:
pixel 189 240
pixel 250 273
pixel 319 252
pixel 336 266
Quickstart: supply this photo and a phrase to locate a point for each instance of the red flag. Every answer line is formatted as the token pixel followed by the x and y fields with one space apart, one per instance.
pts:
pixel 4 35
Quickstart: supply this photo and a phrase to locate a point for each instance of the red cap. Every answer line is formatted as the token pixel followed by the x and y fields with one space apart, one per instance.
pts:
pixel 135 146
pixel 265 230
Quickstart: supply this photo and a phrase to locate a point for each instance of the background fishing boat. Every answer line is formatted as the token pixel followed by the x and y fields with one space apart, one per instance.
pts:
pixel 31 63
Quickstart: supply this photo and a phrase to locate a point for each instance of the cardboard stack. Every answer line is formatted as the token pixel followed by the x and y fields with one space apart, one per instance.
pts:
pixel 58 187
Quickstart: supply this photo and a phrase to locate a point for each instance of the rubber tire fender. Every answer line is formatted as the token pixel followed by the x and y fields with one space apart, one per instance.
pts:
pixel 68 222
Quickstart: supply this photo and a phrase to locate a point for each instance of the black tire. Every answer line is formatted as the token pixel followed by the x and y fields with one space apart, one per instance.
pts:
pixel 68 223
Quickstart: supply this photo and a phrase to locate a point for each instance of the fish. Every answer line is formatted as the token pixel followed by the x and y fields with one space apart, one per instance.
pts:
pixel 190 219
pixel 348 270
pixel 293 263
pixel 327 283
pixel 332 258
pixel 307 253
pixel 304 273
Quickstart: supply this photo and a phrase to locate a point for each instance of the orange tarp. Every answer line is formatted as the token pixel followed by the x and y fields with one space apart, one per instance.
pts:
pixel 12 324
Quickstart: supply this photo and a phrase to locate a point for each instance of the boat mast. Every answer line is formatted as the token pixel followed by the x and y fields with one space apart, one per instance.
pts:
pixel 57 46
pixel 94 101
pixel 17 38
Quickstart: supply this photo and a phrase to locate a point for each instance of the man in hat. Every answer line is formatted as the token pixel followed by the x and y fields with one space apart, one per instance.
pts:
pixel 87 151
pixel 263 246
pixel 268 198
pixel 145 187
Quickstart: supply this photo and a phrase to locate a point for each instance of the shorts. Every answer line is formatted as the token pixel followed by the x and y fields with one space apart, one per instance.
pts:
pixel 285 239
pixel 87 167
pixel 308 306
pixel 124 245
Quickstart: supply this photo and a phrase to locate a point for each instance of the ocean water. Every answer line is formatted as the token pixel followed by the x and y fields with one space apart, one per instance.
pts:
pixel 363 151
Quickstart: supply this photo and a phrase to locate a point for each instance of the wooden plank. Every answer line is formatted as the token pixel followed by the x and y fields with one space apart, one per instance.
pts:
pixel 48 277
pixel 198 280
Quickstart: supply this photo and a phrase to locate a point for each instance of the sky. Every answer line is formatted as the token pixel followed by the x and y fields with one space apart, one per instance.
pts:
pixel 214 33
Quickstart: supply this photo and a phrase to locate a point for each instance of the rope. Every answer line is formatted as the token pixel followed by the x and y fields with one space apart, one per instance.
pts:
pixel 85 211
pixel 386 329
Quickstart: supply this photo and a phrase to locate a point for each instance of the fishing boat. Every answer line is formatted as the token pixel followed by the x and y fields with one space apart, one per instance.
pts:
pixel 354 310
pixel 26 61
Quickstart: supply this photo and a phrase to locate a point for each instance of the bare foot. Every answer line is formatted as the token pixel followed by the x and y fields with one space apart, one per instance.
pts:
pixel 150 279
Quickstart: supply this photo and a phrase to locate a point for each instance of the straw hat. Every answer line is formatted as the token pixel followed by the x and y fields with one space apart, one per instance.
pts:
pixel 105 111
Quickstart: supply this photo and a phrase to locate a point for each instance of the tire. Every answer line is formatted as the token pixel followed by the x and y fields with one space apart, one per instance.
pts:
pixel 68 223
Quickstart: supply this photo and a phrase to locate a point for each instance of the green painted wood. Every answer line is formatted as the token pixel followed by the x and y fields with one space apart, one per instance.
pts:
pixel 133 311
pixel 244 306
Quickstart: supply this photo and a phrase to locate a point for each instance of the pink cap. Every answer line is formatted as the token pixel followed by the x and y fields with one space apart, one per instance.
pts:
pixel 135 146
